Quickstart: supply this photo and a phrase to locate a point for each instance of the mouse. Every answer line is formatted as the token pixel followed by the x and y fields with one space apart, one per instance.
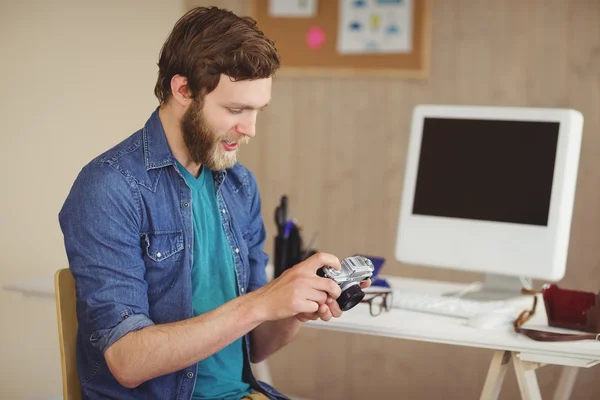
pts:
pixel 491 320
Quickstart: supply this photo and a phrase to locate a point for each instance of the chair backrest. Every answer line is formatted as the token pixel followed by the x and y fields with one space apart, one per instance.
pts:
pixel 64 288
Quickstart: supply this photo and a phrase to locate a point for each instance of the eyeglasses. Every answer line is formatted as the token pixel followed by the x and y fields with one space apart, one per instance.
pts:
pixel 378 301
pixel 526 315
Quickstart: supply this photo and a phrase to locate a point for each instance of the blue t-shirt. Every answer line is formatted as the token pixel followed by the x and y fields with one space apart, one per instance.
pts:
pixel 213 284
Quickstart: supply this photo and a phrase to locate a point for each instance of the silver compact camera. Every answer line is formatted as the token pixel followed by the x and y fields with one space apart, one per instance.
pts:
pixel 355 269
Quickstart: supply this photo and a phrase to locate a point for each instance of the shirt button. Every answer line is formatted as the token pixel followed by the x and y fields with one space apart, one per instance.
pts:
pixel 158 255
pixel 237 250
pixel 242 290
pixel 186 204
pixel 190 374
pixel 223 211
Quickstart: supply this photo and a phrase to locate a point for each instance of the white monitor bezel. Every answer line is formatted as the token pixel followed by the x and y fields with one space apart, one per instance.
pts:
pixel 493 247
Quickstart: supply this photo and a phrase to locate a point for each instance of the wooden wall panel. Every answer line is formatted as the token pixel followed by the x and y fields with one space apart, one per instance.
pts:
pixel 337 147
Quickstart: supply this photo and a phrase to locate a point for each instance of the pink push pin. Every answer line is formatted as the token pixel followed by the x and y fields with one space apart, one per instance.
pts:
pixel 315 37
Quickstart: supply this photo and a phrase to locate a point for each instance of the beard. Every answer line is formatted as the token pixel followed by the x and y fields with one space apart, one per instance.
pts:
pixel 203 144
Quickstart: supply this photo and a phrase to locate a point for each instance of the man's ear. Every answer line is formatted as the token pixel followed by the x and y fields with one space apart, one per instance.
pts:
pixel 180 90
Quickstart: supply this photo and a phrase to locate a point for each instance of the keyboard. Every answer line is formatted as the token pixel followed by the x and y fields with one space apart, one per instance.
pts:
pixel 446 305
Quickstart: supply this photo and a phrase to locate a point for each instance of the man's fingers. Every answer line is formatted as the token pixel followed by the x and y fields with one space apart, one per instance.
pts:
pixel 309 307
pixel 301 318
pixel 326 285
pixel 365 284
pixel 334 307
pixel 318 296
pixel 318 260
pixel 304 317
pixel 325 313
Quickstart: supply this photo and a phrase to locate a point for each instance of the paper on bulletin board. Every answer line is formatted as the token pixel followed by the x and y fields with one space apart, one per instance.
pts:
pixel 375 26
pixel 293 8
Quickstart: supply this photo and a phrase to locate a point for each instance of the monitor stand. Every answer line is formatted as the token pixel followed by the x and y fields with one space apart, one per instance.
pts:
pixel 496 288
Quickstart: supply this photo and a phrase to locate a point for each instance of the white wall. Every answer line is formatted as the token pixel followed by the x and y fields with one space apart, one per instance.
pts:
pixel 76 77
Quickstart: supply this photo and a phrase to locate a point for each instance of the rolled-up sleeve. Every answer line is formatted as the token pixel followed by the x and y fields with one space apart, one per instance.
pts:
pixel 258 235
pixel 100 221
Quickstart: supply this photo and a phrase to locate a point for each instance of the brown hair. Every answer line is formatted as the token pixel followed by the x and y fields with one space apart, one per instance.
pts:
pixel 207 42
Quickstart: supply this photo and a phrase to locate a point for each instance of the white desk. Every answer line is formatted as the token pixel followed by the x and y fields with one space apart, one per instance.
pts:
pixel 526 354
pixel 38 287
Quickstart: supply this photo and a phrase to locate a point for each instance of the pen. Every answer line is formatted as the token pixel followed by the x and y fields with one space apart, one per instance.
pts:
pixel 285 244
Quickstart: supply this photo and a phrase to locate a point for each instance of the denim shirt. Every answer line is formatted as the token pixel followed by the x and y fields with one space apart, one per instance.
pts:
pixel 127 225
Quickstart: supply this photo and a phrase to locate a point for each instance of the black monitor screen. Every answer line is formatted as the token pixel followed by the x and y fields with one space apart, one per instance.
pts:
pixel 486 170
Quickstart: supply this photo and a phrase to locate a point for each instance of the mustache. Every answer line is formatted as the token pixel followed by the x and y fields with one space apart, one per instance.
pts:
pixel 241 139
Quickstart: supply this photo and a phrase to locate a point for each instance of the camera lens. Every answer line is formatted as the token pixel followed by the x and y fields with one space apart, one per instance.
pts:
pixel 350 297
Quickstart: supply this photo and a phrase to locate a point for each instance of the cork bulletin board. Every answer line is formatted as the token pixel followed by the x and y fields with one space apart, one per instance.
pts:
pixel 301 57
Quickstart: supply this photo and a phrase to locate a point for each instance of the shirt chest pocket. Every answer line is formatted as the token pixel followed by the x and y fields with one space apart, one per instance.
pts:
pixel 163 256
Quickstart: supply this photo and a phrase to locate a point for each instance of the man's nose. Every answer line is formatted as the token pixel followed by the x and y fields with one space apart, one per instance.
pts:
pixel 248 125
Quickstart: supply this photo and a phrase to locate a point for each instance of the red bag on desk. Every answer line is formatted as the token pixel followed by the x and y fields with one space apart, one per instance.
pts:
pixel 568 309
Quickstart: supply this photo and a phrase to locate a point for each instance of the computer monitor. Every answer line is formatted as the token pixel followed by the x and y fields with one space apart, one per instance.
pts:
pixel 491 190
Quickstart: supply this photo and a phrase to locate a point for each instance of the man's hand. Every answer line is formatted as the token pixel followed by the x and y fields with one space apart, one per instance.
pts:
pixel 299 290
pixel 328 310
pixel 297 296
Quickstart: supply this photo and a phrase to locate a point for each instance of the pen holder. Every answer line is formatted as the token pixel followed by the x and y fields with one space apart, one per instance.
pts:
pixel 289 251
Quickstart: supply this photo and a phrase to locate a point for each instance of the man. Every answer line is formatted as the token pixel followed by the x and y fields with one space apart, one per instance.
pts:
pixel 165 238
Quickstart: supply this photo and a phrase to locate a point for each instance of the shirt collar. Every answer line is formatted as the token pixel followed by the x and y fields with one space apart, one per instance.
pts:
pixel 157 153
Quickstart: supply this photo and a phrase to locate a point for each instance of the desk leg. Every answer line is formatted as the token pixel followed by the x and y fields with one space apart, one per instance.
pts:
pixel 528 383
pixel 495 375
pixel 566 383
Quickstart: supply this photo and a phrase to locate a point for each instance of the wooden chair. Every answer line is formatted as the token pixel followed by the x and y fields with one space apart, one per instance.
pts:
pixel 64 288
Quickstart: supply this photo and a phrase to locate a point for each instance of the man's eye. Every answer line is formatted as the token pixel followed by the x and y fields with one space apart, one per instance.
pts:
pixel 234 111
